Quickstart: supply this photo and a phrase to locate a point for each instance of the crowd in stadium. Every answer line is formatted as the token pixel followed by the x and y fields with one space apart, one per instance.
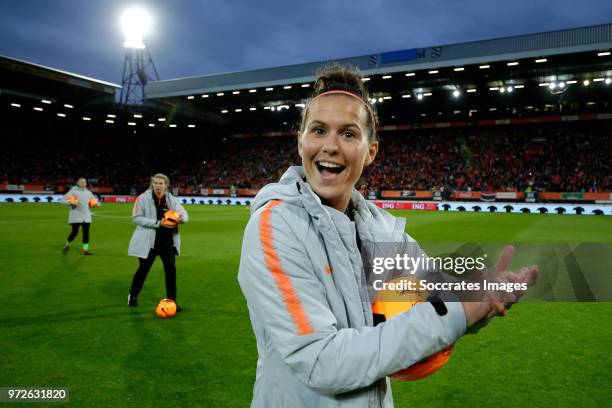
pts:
pixel 568 157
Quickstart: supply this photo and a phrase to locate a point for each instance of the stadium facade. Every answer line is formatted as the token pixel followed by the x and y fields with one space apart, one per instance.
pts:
pixel 544 79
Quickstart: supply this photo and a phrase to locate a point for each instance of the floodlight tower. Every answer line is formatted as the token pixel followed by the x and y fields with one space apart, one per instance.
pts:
pixel 135 23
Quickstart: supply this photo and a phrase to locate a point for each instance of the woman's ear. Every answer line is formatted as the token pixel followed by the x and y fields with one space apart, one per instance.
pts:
pixel 372 150
pixel 299 140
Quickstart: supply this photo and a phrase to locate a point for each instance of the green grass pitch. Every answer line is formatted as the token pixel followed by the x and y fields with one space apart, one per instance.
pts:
pixel 64 321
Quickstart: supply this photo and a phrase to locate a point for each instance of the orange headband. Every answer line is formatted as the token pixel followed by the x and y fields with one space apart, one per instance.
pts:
pixel 352 95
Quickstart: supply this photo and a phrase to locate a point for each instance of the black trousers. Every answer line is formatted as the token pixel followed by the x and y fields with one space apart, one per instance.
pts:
pixel 75 231
pixel 167 256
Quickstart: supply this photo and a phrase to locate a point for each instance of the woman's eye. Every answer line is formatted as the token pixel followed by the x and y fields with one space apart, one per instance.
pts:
pixel 318 131
pixel 349 135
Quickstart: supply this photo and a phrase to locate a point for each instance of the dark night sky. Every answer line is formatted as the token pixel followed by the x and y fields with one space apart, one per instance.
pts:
pixel 198 37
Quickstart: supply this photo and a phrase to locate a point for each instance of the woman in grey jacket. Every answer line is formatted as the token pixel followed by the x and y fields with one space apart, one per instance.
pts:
pixel 302 274
pixel 79 214
pixel 153 236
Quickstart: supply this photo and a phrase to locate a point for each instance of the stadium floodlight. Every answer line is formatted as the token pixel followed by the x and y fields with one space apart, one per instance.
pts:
pixel 110 115
pixel 471 90
pixel 509 89
pixel 38 109
pixel 380 99
pixel 386 77
pixel 427 94
pixel 519 86
pixel 540 60
pixel 191 126
pixel 138 116
pixel 571 82
pixel 254 108
pixel 236 93
pixel 173 125
pixel 365 79
pixel 190 97
pixel 433 71
pixel 135 23
pixel 305 85
pixel 61 115
pixel 205 96
pixel 86 118
pixel 561 84
pixel 255 90
pixel 46 101
pixel 603 54
pixel 238 110
pixel 456 93
pixel 287 87
pixel 224 111
pixel 552 85
pixel 161 119
pixel 15 105
pixel 386 97
pixel 419 96
pixel 598 80
pixel 458 69
pixel 484 66
pixel 68 106
pixel 220 94
pixel 131 123
pixel 512 64
pixel 151 124
pixel 269 89
pixel 109 121
pixel 502 90
pixel 406 96
pixel 409 74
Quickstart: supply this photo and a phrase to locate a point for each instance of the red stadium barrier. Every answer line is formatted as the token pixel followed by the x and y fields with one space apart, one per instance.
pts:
pixel 407 194
pixel 406 205
pixel 118 199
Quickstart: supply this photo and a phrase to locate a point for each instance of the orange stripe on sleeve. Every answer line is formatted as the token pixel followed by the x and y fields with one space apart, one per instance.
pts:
pixel 283 282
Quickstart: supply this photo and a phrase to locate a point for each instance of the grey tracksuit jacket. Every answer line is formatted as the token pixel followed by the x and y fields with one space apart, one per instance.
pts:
pixel 144 215
pixel 81 213
pixel 302 275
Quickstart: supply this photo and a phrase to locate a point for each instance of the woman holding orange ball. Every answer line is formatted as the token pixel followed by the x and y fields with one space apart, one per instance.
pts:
pixel 80 200
pixel 156 214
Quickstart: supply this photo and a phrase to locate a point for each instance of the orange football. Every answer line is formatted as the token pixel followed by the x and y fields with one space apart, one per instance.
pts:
pixel 389 303
pixel 171 217
pixel 165 308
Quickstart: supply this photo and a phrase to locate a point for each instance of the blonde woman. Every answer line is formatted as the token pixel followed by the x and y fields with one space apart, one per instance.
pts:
pixel 153 237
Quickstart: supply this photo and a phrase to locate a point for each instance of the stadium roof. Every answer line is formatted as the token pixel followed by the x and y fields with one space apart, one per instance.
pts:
pixel 28 80
pixel 576 40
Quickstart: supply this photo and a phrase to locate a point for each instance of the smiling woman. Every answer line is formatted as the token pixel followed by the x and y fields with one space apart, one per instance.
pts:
pixel 302 274
pixel 337 136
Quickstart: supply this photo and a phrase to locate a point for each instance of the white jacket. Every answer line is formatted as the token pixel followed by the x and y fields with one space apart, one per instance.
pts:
pixel 302 275
pixel 81 213
pixel 144 215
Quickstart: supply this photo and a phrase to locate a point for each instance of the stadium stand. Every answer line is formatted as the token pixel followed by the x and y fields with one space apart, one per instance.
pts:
pixel 526 116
